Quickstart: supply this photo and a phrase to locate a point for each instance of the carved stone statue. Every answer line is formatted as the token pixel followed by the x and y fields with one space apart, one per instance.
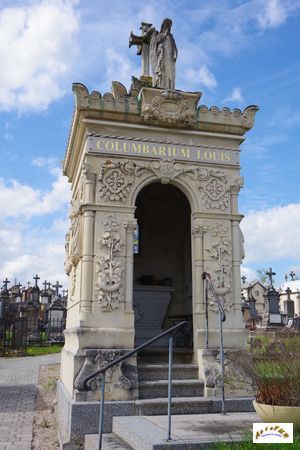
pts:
pixel 160 49
pixel 163 55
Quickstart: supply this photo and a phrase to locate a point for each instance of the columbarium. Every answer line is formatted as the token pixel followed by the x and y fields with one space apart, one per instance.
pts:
pixel 155 181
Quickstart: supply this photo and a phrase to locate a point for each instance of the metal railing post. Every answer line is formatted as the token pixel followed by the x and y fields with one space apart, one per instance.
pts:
pixel 101 412
pixel 169 438
pixel 206 313
pixel 222 314
pixel 222 364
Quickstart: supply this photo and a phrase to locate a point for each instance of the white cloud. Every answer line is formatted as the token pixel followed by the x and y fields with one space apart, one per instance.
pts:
pixel 250 274
pixel 235 96
pixel 202 76
pixel 274 13
pixel 36 49
pixel 272 234
pixel 42 162
pixel 119 67
pixel 21 200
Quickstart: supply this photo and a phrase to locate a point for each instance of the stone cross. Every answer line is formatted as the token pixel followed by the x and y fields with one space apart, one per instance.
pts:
pixel 292 275
pixel 36 278
pixel 142 42
pixel 57 286
pixel 286 277
pixel 243 278
pixel 49 285
pixel 5 282
pixel 28 284
pixel 45 285
pixel 288 291
pixel 270 275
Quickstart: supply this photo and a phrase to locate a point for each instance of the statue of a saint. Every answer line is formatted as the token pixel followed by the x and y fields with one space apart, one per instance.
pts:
pixel 160 49
pixel 163 55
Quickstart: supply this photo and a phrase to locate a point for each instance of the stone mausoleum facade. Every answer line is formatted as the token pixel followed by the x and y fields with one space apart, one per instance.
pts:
pixel 155 180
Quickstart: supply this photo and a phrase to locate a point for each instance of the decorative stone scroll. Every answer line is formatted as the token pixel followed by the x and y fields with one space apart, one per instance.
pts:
pixel 169 107
pixel 219 249
pixel 73 237
pixel 122 376
pixel 109 289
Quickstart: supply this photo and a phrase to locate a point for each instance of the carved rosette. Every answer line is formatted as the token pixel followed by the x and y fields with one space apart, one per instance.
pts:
pixel 109 267
pixel 213 186
pixel 218 247
pixel 170 107
pixel 116 178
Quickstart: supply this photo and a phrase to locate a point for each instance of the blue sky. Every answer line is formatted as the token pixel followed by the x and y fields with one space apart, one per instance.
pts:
pixel 237 53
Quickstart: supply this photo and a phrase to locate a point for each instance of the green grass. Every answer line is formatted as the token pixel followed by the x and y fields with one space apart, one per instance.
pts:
pixel 37 351
pixel 249 445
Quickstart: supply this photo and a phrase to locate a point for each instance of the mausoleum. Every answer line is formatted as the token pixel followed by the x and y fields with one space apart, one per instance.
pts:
pixel 155 179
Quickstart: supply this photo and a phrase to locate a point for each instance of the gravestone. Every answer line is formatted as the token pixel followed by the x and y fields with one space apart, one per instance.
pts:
pixel 272 316
pixel 150 159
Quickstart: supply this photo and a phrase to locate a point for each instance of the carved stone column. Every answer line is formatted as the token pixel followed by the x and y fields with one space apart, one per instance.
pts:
pixel 130 225
pixel 87 261
pixel 197 232
pixel 236 238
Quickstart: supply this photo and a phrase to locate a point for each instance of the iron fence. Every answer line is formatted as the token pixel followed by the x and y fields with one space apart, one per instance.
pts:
pixel 17 334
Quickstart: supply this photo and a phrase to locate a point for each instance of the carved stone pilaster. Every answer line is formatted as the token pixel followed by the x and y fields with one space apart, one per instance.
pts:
pixel 219 265
pixel 109 285
pixel 73 246
pixel 130 226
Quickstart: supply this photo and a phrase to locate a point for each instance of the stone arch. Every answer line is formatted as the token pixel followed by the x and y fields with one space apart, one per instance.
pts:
pixel 181 184
pixel 162 275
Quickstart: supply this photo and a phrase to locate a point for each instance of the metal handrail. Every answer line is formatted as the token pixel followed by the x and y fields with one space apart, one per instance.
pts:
pixel 103 370
pixel 207 277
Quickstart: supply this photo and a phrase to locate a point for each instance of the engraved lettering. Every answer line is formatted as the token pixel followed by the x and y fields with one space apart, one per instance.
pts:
pixel 185 152
pixel 136 148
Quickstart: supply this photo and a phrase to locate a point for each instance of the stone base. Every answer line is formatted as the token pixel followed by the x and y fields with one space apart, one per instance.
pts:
pixel 236 382
pixel 77 418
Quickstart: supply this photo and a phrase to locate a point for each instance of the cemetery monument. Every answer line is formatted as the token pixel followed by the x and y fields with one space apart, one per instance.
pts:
pixel 155 183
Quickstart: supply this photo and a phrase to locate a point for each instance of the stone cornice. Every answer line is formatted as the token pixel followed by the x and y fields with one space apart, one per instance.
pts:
pixel 153 108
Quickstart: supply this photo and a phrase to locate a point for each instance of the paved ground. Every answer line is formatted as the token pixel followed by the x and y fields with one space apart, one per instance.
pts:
pixel 18 380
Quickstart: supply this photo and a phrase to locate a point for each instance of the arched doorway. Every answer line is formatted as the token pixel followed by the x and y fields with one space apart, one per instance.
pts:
pixel 162 294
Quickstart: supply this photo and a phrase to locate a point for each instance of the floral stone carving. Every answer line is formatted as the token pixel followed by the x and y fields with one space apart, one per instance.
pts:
pixel 213 187
pixel 219 249
pixel 116 178
pixel 109 268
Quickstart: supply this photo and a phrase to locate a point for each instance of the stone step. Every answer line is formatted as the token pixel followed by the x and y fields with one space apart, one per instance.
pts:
pixel 180 388
pixel 188 431
pixel 161 371
pixel 161 355
pixel 110 441
pixel 191 405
